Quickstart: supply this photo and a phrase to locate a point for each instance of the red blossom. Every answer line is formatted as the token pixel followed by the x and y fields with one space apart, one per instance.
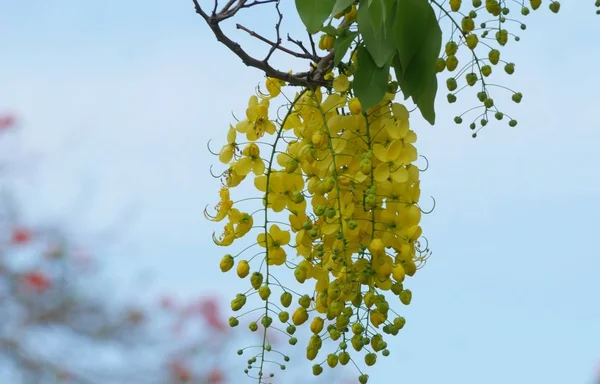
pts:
pixel 180 371
pixel 216 376
pixel 167 302
pixel 38 281
pixel 21 236
pixel 209 308
pixel 7 121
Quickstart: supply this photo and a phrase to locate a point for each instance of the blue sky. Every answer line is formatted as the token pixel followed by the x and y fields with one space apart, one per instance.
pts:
pixel 122 97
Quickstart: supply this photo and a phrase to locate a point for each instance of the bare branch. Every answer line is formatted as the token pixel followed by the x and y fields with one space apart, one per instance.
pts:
pixel 274 45
pixel 316 77
pixel 277 25
pixel 302 47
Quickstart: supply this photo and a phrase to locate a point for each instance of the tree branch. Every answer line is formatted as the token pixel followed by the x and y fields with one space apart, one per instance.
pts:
pixel 316 77
pixel 275 45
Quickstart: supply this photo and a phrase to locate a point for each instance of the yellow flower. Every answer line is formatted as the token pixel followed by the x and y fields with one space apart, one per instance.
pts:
pixel 243 222
pixel 232 179
pixel 257 120
pixel 250 161
pixel 273 86
pixel 341 83
pixel 222 208
pixel 355 106
pixel 274 241
pixel 228 149
pixel 226 237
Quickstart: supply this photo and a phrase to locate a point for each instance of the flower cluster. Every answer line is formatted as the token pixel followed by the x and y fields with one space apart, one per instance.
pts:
pixel 339 190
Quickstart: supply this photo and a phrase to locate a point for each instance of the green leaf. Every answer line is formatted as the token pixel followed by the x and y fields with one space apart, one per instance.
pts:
pixel 330 30
pixel 340 5
pixel 410 28
pixel 371 28
pixel 341 45
pixel 418 79
pixel 313 13
pixel 370 81
pixel 400 76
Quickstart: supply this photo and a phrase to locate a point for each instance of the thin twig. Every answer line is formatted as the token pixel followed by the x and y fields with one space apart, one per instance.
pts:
pixel 314 78
pixel 272 44
pixel 302 47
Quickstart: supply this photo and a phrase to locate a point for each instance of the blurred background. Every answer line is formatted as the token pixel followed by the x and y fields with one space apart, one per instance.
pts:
pixel 108 273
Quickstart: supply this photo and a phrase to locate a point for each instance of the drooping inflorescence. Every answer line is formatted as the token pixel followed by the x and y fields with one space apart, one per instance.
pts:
pixel 480 29
pixel 337 204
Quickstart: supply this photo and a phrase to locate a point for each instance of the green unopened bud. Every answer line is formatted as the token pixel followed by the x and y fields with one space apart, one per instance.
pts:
pixel 266 321
pixel 284 316
pixel 253 326
pixel 440 65
pixel 344 358
pixel 486 70
pixel 256 280
pixel 471 78
pixel 304 301
pixel 467 24
pixel 332 360
pixel 472 41
pixel 406 297
pixel 264 292
pixel 451 48
pixel 502 37
pixel 286 299
pixel 319 210
pixel 510 68
pixel 226 263
pixel 357 328
pixel 512 123
pixel 451 84
pixel 297 197
pixel 499 115
pixel 233 322
pixel 370 359
pixel 494 56
pixel 238 302
pixel 451 63
pixel 451 98
pixel 489 103
pixel 291 165
pixel 317 369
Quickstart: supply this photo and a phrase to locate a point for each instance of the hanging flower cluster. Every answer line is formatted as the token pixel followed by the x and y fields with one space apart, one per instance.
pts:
pixel 339 195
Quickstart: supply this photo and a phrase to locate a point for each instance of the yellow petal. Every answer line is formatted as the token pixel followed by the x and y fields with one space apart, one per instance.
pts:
pixel 260 240
pixel 333 101
pixel 400 175
pixel 400 112
pixel 277 202
pixel 260 182
pixel 258 167
pixel 231 135
pixel 341 83
pixel 330 229
pixel 226 154
pixel 277 256
pixel 394 149
pixel 381 172
pixel 380 152
pixel 243 166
